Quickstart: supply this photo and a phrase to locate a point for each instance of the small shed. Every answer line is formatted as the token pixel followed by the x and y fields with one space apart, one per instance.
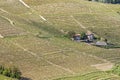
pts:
pixel 101 43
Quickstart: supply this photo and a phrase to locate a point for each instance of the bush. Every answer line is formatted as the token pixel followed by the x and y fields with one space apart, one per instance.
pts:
pixel 70 34
pixel 116 70
pixel 5 72
pixel 1 69
pixel 15 73
pixel 10 72
pixel 83 35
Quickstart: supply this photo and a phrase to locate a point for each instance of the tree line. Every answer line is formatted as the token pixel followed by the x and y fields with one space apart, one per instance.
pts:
pixel 107 1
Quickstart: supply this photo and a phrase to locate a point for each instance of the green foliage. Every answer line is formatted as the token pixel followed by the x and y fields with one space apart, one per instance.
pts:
pixel 10 72
pixel 71 34
pixel 118 12
pixel 15 73
pixel 116 69
pixel 5 72
pixel 83 35
pixel 1 69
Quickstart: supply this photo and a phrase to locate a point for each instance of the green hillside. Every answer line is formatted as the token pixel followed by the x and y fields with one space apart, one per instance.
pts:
pixel 31 37
pixel 93 76
pixel 5 78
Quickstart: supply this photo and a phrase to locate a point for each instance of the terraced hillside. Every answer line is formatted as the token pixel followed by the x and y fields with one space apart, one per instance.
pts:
pixel 33 30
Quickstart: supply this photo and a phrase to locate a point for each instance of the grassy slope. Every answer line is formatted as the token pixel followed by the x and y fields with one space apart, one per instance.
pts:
pixel 48 58
pixel 92 76
pixel 5 78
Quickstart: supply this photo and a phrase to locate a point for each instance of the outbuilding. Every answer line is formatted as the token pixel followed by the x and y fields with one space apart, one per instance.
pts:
pixel 76 37
pixel 90 36
pixel 101 43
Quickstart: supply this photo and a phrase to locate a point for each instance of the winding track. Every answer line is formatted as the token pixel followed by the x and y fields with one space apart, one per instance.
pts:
pixel 82 26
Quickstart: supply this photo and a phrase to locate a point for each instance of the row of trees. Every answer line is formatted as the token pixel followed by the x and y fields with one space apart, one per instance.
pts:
pixel 107 1
pixel 12 72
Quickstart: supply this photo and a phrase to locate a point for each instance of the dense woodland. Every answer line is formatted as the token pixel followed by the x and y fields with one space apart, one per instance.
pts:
pixel 108 1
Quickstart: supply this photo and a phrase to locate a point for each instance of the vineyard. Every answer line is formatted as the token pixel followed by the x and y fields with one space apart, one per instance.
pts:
pixel 93 76
pixel 34 41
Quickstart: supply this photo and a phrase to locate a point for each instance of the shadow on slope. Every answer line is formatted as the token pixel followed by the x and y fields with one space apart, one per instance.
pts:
pixel 24 78
pixel 47 27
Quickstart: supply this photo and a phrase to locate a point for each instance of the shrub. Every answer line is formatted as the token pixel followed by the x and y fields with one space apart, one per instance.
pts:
pixel 116 70
pixel 83 35
pixel 1 69
pixel 10 72
pixel 70 34
pixel 5 72
pixel 15 73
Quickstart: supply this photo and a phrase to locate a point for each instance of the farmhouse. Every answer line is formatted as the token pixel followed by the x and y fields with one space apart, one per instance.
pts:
pixel 85 37
pixel 90 36
pixel 76 37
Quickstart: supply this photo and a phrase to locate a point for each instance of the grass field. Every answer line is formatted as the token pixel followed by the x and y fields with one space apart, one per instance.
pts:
pixel 92 76
pixel 5 78
pixel 51 56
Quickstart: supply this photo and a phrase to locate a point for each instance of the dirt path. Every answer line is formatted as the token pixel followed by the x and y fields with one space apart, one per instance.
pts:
pixel 3 10
pixel 104 66
pixel 42 18
pixel 95 57
pixel 55 52
pixel 11 22
pixel 82 26
pixel 41 57
pixel 26 5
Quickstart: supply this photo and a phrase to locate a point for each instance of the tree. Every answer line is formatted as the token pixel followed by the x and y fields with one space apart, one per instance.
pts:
pixel 10 72
pixel 106 40
pixel 108 1
pixel 83 35
pixel 15 73
pixel 5 72
pixel 1 69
